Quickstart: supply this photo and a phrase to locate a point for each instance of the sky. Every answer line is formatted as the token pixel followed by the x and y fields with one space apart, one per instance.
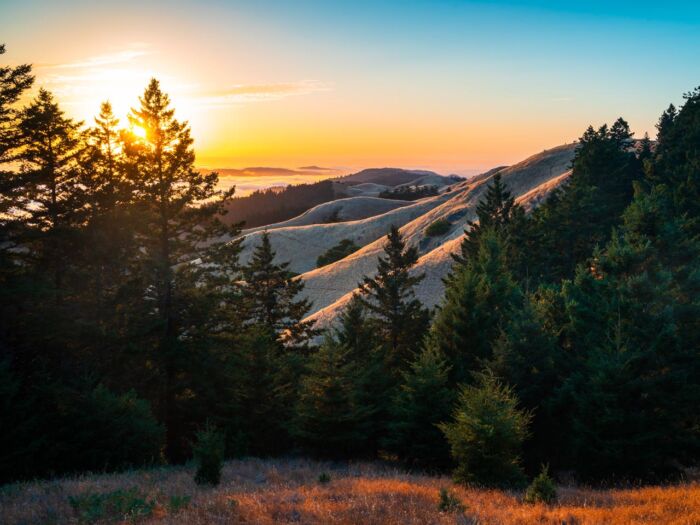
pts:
pixel 452 86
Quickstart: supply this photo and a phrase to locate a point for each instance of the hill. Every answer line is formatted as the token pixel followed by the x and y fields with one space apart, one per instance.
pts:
pixel 280 203
pixel 530 181
pixel 340 210
pixel 398 177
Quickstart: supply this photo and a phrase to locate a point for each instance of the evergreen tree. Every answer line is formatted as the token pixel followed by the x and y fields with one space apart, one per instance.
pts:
pixel 663 127
pixel 486 434
pixel 109 241
pixel 173 231
pixel 271 294
pixel 328 420
pixel 355 332
pixel 423 401
pixel 495 211
pixel 577 218
pixel 400 319
pixel 677 158
pixel 49 194
pixel 637 375
pixel 14 81
pixel 526 355
pixel 371 383
pixel 479 298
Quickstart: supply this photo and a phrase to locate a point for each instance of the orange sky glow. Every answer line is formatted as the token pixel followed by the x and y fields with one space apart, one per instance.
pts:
pixel 310 84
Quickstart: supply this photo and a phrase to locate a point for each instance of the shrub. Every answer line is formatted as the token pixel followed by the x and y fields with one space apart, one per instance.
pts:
pixel 449 502
pixel 337 252
pixel 542 489
pixel 439 227
pixel 324 478
pixel 486 434
pixel 209 455
pixel 119 505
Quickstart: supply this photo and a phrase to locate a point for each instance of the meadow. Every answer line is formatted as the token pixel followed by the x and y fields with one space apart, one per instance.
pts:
pixel 313 492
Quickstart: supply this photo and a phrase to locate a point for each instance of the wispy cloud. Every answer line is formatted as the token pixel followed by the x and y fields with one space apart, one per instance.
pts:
pixel 262 92
pixel 119 57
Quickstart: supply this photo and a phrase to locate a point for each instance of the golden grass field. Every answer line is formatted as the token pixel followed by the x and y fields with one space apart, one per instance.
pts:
pixel 288 491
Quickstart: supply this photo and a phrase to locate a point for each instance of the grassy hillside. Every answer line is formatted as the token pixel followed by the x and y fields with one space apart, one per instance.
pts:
pixel 289 491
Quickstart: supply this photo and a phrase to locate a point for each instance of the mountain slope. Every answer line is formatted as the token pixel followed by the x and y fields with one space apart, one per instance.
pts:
pixel 530 181
pixel 301 245
pixel 341 210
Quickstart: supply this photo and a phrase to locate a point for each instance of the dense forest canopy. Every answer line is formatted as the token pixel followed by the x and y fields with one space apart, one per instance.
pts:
pixel 128 336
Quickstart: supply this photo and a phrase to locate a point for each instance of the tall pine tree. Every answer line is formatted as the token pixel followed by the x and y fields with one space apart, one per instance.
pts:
pixel 480 297
pixel 175 229
pixel 399 317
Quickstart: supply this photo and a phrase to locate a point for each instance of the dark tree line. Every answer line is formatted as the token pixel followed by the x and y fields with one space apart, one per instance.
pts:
pixel 272 205
pixel 409 193
pixel 566 337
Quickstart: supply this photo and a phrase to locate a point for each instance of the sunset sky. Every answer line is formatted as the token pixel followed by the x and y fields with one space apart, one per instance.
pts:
pixel 451 86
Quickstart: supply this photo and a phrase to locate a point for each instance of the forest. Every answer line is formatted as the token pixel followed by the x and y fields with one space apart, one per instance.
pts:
pixel 263 207
pixel 130 334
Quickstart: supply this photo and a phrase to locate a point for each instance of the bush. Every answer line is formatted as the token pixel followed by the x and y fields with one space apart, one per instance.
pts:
pixel 542 489
pixel 209 455
pixel 439 227
pixel 119 505
pixel 324 478
pixel 449 502
pixel 486 434
pixel 337 252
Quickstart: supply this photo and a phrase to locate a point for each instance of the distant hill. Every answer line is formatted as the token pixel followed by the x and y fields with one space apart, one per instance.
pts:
pixel 277 204
pixel 398 177
pixel 273 205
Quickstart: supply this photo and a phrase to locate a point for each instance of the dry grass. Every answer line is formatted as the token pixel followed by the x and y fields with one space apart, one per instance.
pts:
pixel 288 491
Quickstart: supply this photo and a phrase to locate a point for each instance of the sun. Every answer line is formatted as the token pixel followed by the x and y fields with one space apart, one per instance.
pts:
pixel 138 131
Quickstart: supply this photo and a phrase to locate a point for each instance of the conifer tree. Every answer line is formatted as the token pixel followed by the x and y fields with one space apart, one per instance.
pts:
pixel 577 218
pixel 271 295
pixel 677 158
pixel 527 357
pixel 479 299
pixel 486 434
pixel 109 242
pixel 665 124
pixel 399 317
pixel 49 193
pixel 423 401
pixel 173 231
pixel 328 419
pixel 636 375
pixel 14 81
pixel 355 332
pixel 371 382
pixel 494 211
